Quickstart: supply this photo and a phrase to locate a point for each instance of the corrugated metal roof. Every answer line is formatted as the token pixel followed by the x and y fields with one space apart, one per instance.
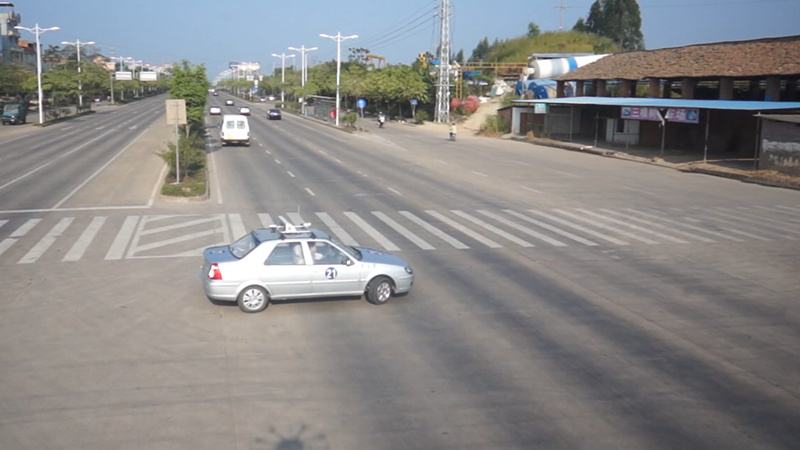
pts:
pixel 739 59
pixel 791 118
pixel 734 105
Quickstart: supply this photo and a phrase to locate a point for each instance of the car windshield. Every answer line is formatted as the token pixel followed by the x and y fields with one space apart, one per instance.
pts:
pixel 350 250
pixel 240 124
pixel 244 245
pixel 11 108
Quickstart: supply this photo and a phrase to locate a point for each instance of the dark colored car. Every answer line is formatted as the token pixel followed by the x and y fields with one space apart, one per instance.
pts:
pixel 274 114
pixel 14 113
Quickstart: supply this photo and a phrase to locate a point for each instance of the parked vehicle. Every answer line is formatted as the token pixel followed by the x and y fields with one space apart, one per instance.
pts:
pixel 235 129
pixel 14 113
pixel 296 261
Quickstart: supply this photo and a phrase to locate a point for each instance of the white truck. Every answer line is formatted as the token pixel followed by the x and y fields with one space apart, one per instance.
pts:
pixel 235 129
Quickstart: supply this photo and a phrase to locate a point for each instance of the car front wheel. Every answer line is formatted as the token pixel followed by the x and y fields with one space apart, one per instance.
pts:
pixel 379 291
pixel 253 299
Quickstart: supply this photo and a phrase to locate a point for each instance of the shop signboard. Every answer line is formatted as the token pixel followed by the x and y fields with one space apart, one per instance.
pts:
pixel 640 113
pixel 683 115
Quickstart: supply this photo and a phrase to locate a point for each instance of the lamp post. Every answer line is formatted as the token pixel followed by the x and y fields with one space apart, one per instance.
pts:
pixel 338 38
pixel 283 57
pixel 77 45
pixel 303 69
pixel 37 31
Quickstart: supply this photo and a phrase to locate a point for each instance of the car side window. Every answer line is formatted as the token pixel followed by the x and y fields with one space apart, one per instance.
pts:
pixel 286 254
pixel 326 254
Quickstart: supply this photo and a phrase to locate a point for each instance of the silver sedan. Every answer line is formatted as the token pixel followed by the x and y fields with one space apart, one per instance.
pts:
pixel 298 262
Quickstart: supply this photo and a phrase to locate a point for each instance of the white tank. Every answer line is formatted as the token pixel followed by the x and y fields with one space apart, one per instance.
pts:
pixel 551 68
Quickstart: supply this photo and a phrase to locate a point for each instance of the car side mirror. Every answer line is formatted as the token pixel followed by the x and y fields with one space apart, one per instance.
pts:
pixel 348 262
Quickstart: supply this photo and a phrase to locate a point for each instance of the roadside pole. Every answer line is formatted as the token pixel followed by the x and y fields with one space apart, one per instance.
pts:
pixel 176 114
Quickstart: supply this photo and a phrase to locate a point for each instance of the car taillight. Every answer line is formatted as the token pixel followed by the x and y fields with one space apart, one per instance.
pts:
pixel 214 272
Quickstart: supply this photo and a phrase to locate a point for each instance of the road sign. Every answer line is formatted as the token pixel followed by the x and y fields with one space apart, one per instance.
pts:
pixel 123 76
pixel 413 102
pixel 176 112
pixel 361 103
pixel 148 76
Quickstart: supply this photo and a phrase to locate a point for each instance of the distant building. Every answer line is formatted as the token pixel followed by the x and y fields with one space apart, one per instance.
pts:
pixel 14 50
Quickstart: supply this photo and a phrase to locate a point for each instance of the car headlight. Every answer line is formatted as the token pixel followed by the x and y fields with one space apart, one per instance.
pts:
pixel 409 270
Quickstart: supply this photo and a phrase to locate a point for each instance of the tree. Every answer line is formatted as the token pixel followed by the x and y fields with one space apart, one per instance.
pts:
pixel 481 50
pixel 618 20
pixel 459 57
pixel 533 29
pixel 14 80
pixel 190 83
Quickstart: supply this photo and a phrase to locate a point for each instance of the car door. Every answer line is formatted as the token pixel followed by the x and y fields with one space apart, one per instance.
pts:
pixel 286 273
pixel 334 271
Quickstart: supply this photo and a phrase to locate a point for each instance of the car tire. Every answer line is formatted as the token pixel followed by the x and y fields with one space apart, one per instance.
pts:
pixel 253 299
pixel 379 290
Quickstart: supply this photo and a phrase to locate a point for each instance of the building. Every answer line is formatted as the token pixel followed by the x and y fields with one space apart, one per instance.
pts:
pixel 780 143
pixel 695 99
pixel 10 51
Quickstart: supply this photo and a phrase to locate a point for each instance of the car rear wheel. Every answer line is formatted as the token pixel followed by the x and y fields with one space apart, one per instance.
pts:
pixel 379 290
pixel 253 299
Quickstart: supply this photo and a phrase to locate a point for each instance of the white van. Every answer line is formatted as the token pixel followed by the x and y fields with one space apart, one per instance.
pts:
pixel 234 129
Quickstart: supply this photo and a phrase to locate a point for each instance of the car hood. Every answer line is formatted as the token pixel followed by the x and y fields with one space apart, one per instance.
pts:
pixel 218 254
pixel 369 255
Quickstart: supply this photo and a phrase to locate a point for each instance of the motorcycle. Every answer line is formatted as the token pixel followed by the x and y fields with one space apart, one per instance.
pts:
pixel 381 120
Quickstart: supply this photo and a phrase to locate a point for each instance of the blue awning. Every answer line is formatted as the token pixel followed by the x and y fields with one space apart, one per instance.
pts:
pixel 732 105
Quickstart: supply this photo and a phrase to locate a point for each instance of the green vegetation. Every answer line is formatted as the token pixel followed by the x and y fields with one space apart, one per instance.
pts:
pixel 618 20
pixel 13 79
pixel 494 125
pixel 520 48
pixel 189 83
pixel 421 116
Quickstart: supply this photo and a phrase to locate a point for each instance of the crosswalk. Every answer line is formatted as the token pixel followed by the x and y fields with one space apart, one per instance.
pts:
pixel 69 239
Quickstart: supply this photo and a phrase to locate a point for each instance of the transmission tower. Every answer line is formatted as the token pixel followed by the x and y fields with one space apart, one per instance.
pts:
pixel 443 87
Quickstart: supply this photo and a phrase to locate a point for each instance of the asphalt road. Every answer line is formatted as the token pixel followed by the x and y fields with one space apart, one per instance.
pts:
pixel 563 300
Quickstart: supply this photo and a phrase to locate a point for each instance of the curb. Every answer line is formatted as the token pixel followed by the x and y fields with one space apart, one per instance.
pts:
pixel 745 178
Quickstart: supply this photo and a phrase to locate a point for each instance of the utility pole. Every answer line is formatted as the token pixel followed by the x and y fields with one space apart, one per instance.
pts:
pixel 37 30
pixel 283 57
pixel 77 45
pixel 443 84
pixel 562 7
pixel 338 38
pixel 303 68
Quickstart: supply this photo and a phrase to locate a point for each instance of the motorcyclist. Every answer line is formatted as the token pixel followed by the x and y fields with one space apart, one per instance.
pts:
pixel 381 119
pixel 453 131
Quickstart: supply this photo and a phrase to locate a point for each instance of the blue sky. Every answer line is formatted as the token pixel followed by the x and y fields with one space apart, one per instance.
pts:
pixel 215 32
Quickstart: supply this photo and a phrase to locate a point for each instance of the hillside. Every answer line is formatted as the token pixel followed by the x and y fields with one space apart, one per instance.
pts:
pixel 520 48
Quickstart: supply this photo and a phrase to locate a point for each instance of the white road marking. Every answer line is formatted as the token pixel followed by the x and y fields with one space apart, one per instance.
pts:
pixel 605 227
pixel 266 220
pixel 744 233
pixel 784 215
pixel 6 244
pixel 338 160
pixel 267 152
pixel 418 241
pixel 182 238
pixel 99 128
pixel 556 230
pixel 175 226
pixel 434 231
pixel 215 177
pixel 727 220
pixel 290 173
pixel 277 161
pixel 457 226
pixel 395 191
pixel 46 242
pixel 788 208
pixel 296 218
pixel 79 248
pixel 686 225
pixel 310 192
pixel 442 161
pixel 375 234
pixel 761 221
pixel 97 172
pixel 672 230
pixel 480 174
pixel 578 227
pixel 337 230
pixel 527 188
pixel 523 229
pixel 237 226
pixel 632 226
pixel 260 144
pixel 492 228
pixel 3 222
pixel 117 249
pixel 52 160
pixel 161 177
pixel 133 127
pixel 25 228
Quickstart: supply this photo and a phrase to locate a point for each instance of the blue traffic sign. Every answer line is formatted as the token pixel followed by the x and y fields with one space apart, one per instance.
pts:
pixel 361 103
pixel 413 102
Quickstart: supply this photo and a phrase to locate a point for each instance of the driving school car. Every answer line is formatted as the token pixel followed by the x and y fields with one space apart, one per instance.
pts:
pixel 296 261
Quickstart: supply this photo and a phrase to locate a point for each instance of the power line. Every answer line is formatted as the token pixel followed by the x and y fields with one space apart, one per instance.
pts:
pixel 403 24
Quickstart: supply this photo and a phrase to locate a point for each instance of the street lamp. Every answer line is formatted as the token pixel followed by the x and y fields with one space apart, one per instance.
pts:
pixel 338 38
pixel 303 50
pixel 37 31
pixel 77 45
pixel 283 57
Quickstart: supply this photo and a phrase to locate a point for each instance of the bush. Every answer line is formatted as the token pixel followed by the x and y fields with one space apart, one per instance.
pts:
pixel 494 126
pixel 349 119
pixel 192 156
pixel 421 116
